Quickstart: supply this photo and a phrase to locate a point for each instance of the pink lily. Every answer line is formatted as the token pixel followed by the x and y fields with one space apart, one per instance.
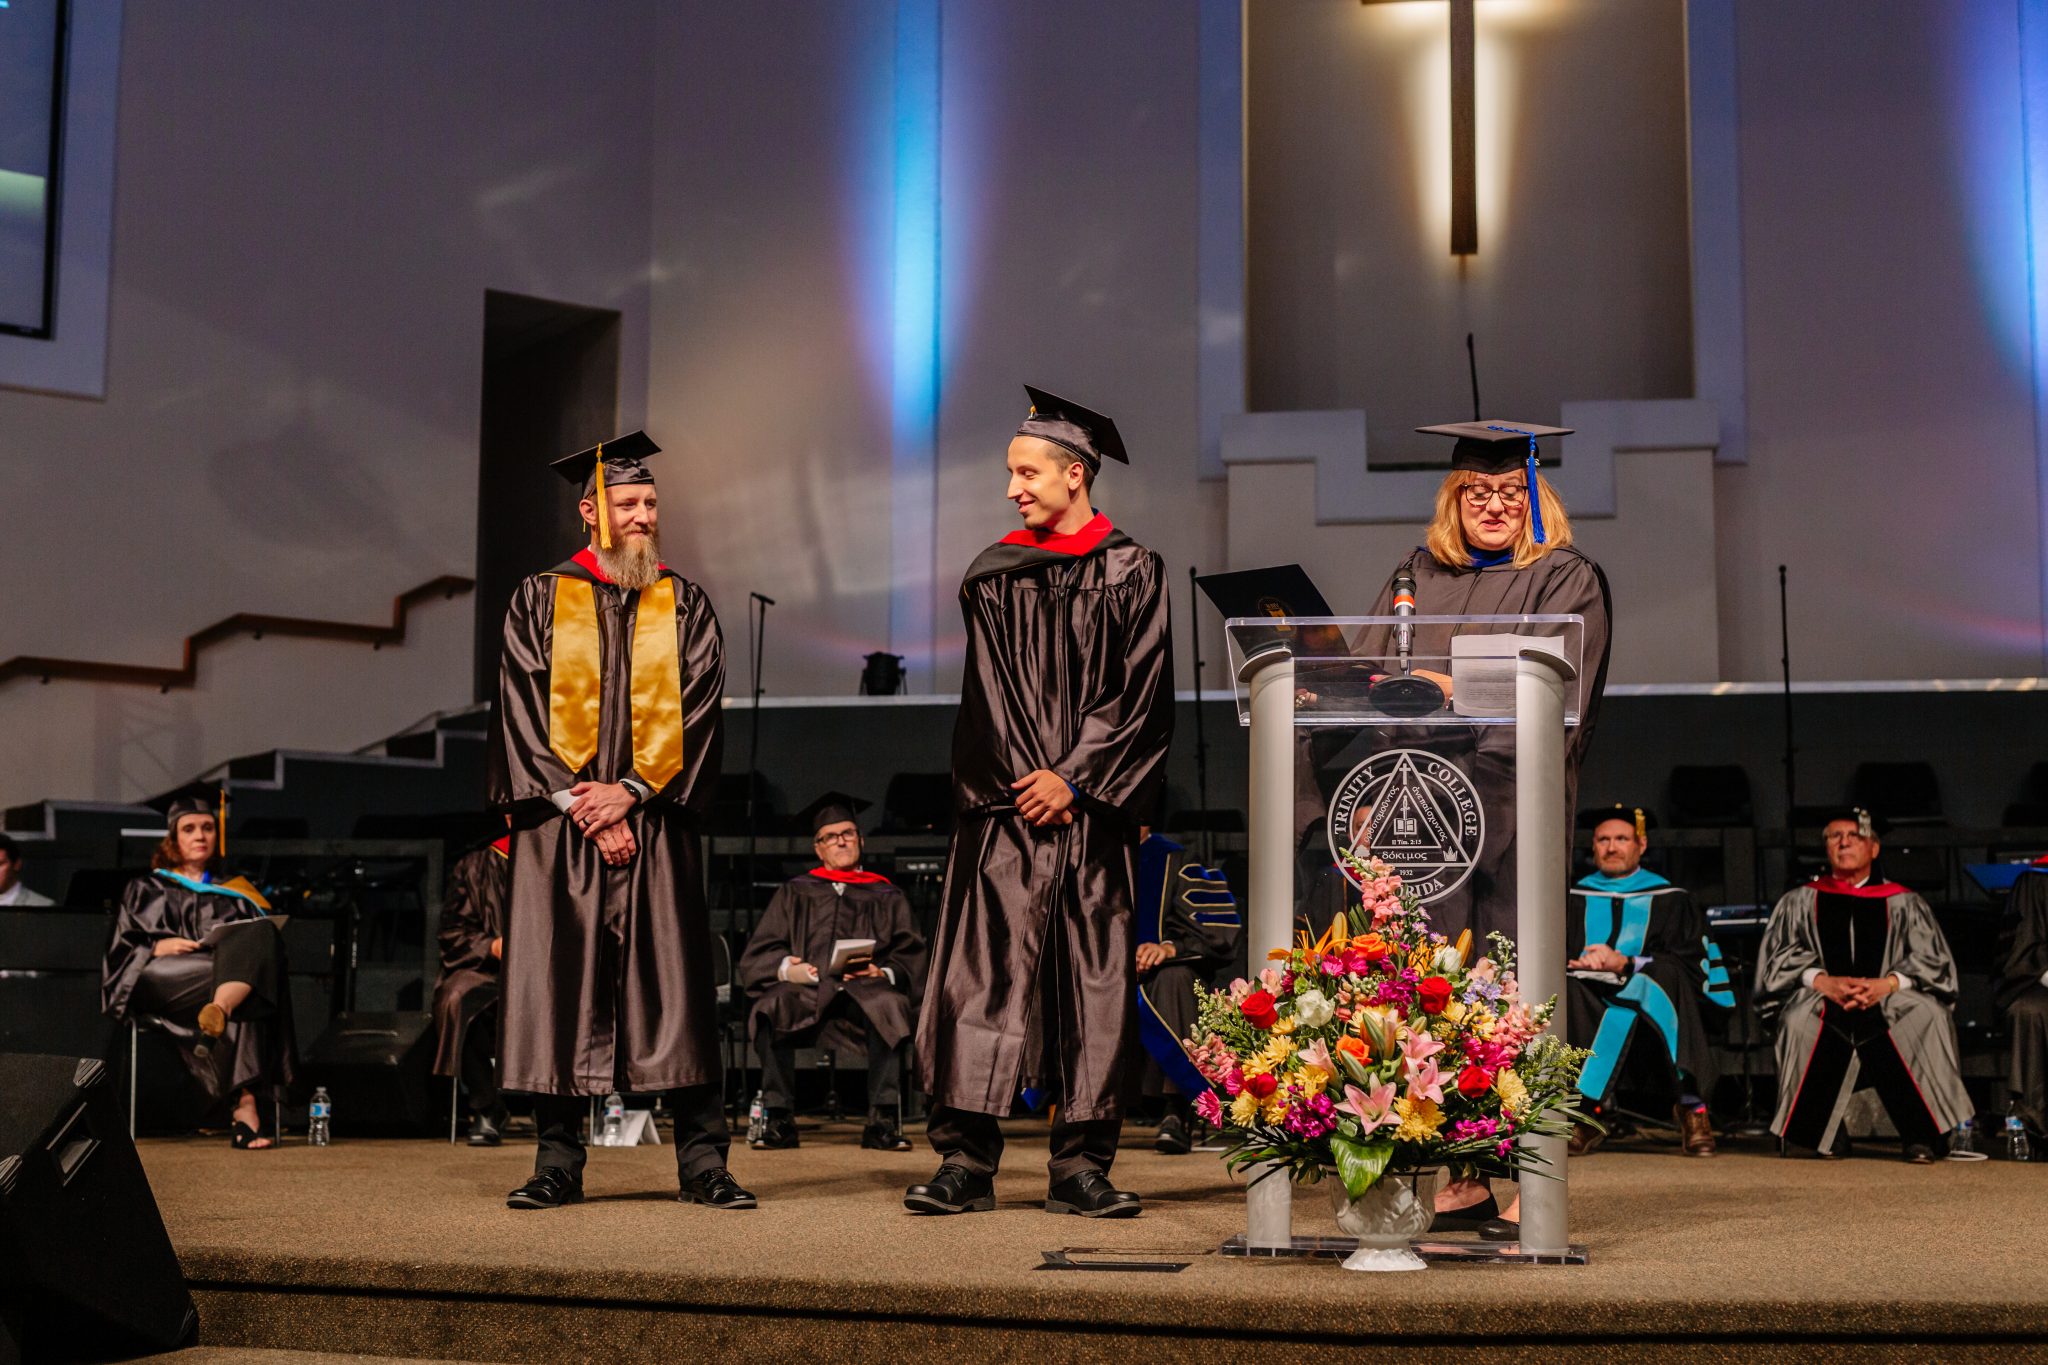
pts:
pixel 1317 1055
pixel 1375 1110
pixel 1425 1083
pixel 1418 1048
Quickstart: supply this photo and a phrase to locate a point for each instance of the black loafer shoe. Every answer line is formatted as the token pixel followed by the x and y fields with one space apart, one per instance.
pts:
pixel 883 1137
pixel 1092 1196
pixel 955 1189
pixel 717 1188
pixel 487 1130
pixel 1471 1218
pixel 1172 1138
pixel 778 1136
pixel 550 1188
pixel 1919 1153
pixel 1500 1230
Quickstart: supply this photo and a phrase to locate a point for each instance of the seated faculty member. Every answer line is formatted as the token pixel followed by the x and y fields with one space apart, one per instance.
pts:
pixel 1862 985
pixel 787 972
pixel 2023 995
pixel 191 951
pixel 1188 931
pixel 14 893
pixel 465 1017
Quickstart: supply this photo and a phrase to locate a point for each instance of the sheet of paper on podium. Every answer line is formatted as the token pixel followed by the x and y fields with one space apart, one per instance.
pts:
pixel 1483 671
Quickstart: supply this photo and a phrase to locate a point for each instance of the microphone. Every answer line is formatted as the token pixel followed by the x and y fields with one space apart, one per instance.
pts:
pixel 769 601
pixel 1404 605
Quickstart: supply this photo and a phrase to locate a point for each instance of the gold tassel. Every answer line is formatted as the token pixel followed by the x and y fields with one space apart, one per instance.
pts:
pixel 220 833
pixel 1642 826
pixel 604 516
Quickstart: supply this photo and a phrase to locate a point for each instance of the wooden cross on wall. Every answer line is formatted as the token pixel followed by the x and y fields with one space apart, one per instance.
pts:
pixel 1464 123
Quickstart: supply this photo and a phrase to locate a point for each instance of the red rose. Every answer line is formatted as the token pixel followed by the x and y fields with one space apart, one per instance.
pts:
pixel 1435 993
pixel 1258 1008
pixel 1474 1081
pixel 1262 1085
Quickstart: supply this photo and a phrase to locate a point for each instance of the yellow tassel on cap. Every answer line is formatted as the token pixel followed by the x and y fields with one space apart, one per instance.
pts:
pixel 1642 826
pixel 604 516
pixel 220 833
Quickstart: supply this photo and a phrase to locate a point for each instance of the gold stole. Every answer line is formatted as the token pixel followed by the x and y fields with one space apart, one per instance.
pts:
pixel 575 682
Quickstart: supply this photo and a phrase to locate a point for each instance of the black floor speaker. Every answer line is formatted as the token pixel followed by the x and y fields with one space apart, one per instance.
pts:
pixel 378 1070
pixel 86 1268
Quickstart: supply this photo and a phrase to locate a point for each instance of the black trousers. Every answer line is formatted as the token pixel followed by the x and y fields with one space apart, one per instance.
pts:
pixel 701 1136
pixel 479 1062
pixel 965 1138
pixel 777 1052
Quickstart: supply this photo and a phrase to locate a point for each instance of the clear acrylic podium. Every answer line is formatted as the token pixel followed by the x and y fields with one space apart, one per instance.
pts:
pixel 1464 795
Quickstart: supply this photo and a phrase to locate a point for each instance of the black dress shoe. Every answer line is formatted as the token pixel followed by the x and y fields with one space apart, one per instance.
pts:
pixel 1919 1153
pixel 955 1189
pixel 1468 1219
pixel 778 1135
pixel 550 1188
pixel 1172 1138
pixel 1092 1196
pixel 1500 1230
pixel 883 1136
pixel 717 1188
pixel 487 1130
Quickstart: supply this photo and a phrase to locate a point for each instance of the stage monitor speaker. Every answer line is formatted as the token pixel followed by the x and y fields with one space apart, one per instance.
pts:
pixel 86 1268
pixel 378 1070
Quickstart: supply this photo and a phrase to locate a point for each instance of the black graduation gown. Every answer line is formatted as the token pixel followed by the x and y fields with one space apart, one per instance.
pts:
pixel 1069 668
pixel 607 973
pixel 1655 1019
pixel 1563 581
pixel 804 918
pixel 2024 998
pixel 1190 906
pixel 259 1049
pixel 471 916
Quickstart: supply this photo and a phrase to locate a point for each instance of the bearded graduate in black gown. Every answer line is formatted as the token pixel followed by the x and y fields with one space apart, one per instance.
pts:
pixel 604 751
pixel 191 952
pixel 1058 754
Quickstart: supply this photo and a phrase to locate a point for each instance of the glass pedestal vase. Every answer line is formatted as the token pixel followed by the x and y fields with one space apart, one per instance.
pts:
pixel 1386 1218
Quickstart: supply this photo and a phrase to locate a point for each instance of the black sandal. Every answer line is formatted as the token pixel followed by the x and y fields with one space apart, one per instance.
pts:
pixel 244 1138
pixel 1471 1218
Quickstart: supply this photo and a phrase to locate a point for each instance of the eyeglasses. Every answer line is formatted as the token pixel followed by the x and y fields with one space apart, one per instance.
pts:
pixel 1510 495
pixel 850 836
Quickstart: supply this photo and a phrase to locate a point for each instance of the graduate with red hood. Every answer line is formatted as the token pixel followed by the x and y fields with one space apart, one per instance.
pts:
pixel 1059 752
pixel 1863 987
pixel 798 997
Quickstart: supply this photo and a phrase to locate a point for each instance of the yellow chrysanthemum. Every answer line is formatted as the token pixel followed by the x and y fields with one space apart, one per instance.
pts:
pixel 1275 1107
pixel 1284 1026
pixel 1445 1030
pixel 1455 1011
pixel 1513 1094
pixel 1419 1120
pixel 1310 1080
pixel 1244 1110
pixel 1481 1021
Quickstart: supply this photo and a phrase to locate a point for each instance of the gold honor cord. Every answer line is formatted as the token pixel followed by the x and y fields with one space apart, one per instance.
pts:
pixel 573 675
pixel 657 687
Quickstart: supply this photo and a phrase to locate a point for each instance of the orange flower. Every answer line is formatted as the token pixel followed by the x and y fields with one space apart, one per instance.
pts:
pixel 1354 1045
pixel 1372 945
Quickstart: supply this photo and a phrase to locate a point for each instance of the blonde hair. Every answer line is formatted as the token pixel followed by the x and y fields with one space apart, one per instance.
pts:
pixel 1446 539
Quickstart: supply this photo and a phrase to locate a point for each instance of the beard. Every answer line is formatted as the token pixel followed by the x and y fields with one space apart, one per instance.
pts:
pixel 633 562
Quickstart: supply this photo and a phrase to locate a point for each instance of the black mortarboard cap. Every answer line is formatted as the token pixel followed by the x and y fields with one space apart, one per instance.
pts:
pixel 1871 826
pixel 1088 434
pixel 619 464
pixel 1592 819
pixel 830 809
pixel 197 798
pixel 1497 448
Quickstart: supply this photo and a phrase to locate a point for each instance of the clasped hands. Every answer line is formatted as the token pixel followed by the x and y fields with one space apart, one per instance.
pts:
pixel 1855 992
pixel 600 810
pixel 1044 798
pixel 1598 957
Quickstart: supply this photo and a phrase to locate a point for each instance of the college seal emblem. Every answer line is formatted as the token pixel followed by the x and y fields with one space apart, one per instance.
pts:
pixel 1415 812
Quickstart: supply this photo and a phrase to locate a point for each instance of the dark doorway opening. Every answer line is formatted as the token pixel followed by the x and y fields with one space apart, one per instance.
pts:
pixel 551 386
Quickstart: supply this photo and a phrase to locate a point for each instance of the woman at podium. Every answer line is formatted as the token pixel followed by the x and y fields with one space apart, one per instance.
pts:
pixel 1499 544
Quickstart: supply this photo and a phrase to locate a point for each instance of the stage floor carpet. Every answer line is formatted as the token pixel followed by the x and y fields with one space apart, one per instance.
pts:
pixel 405 1249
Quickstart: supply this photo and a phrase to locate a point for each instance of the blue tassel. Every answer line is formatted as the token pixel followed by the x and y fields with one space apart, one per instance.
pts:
pixel 1535 503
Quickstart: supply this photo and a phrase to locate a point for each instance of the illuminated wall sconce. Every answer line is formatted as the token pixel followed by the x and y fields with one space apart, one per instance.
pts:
pixel 1464 125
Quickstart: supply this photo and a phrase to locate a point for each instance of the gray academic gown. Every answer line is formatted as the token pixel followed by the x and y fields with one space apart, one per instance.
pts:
pixel 1905 1048
pixel 1563 581
pixel 2024 997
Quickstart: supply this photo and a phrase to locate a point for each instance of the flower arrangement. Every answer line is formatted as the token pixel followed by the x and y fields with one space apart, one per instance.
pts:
pixel 1381 1046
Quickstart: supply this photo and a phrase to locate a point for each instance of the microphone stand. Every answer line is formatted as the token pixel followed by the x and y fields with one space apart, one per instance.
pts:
pixel 1785 664
pixel 1201 739
pixel 757 639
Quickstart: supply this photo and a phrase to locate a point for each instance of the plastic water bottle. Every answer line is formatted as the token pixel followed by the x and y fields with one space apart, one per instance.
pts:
pixel 1963 1141
pixel 318 1113
pixel 2017 1148
pixel 757 1119
pixel 614 1121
